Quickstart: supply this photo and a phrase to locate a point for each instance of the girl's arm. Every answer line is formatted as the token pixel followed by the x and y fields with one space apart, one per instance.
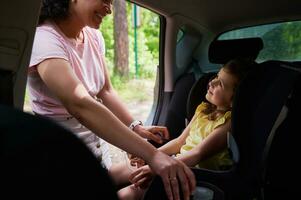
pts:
pixel 214 143
pixel 173 147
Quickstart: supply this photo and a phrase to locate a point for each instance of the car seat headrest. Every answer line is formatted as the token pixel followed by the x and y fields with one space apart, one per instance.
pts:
pixel 221 51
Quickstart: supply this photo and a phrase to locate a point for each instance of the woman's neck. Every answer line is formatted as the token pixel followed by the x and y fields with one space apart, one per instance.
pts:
pixel 71 29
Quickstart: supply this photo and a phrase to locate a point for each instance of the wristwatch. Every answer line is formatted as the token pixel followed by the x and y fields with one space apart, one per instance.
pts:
pixel 135 123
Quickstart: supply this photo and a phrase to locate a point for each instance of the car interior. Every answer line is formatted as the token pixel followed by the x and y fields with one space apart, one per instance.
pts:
pixel 196 38
pixel 199 36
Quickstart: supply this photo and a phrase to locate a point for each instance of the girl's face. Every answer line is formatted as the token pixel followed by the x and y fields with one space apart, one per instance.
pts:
pixel 90 12
pixel 220 90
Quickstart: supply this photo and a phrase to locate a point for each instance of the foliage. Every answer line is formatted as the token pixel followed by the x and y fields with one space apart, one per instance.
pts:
pixel 147 39
pixel 282 41
pixel 286 37
pixel 107 29
pixel 134 89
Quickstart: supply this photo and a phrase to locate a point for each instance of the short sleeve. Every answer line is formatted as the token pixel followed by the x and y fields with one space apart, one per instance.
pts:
pixel 47 44
pixel 223 119
pixel 200 108
pixel 227 115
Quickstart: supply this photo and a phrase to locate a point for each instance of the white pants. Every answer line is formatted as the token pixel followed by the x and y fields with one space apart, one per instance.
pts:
pixel 98 146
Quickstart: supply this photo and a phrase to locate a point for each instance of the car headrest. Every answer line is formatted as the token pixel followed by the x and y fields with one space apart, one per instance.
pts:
pixel 221 51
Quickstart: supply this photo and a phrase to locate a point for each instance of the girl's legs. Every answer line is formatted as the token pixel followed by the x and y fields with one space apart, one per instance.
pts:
pixel 130 193
pixel 120 173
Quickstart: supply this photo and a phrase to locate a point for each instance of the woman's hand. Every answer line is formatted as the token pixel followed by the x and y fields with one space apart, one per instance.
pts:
pixel 159 134
pixel 174 174
pixel 142 177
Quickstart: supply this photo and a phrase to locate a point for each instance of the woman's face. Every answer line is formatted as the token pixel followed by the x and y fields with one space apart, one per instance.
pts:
pixel 90 12
pixel 220 90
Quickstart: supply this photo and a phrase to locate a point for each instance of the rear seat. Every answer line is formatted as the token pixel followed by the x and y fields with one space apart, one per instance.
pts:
pixel 281 165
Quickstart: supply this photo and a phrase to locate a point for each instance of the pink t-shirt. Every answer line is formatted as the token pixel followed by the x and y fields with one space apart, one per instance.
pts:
pixel 86 60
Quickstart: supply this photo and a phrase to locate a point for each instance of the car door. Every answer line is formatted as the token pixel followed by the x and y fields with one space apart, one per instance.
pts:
pixel 18 20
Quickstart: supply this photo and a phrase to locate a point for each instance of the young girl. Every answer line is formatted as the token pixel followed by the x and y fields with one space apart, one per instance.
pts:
pixel 203 143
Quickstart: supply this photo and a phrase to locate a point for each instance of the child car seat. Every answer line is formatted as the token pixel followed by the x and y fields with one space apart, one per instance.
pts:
pixel 220 52
pixel 260 171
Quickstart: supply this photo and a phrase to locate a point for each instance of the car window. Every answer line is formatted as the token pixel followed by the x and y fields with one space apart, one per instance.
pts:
pixel 180 34
pixel 282 41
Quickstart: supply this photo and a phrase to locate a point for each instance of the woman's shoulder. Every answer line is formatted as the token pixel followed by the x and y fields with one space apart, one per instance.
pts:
pixel 48 31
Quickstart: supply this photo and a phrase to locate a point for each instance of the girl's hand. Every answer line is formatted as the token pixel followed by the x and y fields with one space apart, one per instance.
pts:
pixel 136 161
pixel 159 134
pixel 142 177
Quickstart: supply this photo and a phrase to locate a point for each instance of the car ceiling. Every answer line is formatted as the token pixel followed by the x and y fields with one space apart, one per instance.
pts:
pixel 219 16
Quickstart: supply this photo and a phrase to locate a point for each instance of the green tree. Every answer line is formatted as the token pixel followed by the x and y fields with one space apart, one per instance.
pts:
pixel 107 30
pixel 282 42
pixel 148 42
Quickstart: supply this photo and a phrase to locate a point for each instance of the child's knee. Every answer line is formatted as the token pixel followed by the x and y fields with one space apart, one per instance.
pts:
pixel 130 193
pixel 119 173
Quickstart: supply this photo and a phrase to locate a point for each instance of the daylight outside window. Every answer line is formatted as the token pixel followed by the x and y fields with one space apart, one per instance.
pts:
pixel 285 36
pixel 135 84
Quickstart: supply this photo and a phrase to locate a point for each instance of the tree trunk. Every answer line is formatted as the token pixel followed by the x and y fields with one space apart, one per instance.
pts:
pixel 121 39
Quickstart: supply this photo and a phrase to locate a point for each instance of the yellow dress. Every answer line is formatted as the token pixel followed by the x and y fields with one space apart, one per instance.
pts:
pixel 200 128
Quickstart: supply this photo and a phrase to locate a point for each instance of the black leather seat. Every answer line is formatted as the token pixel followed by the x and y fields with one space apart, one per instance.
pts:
pixel 197 94
pixel 40 159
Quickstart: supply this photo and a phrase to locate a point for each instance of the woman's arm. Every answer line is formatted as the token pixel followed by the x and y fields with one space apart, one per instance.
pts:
pixel 214 143
pixel 59 77
pixel 61 80
pixel 112 101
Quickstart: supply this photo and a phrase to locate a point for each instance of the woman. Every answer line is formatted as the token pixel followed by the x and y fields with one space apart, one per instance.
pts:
pixel 68 82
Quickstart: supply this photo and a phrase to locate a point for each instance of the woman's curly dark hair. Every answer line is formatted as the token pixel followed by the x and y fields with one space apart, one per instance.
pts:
pixel 54 9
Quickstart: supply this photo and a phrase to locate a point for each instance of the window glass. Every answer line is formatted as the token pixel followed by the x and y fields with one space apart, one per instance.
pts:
pixel 180 35
pixel 136 87
pixel 136 90
pixel 282 41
